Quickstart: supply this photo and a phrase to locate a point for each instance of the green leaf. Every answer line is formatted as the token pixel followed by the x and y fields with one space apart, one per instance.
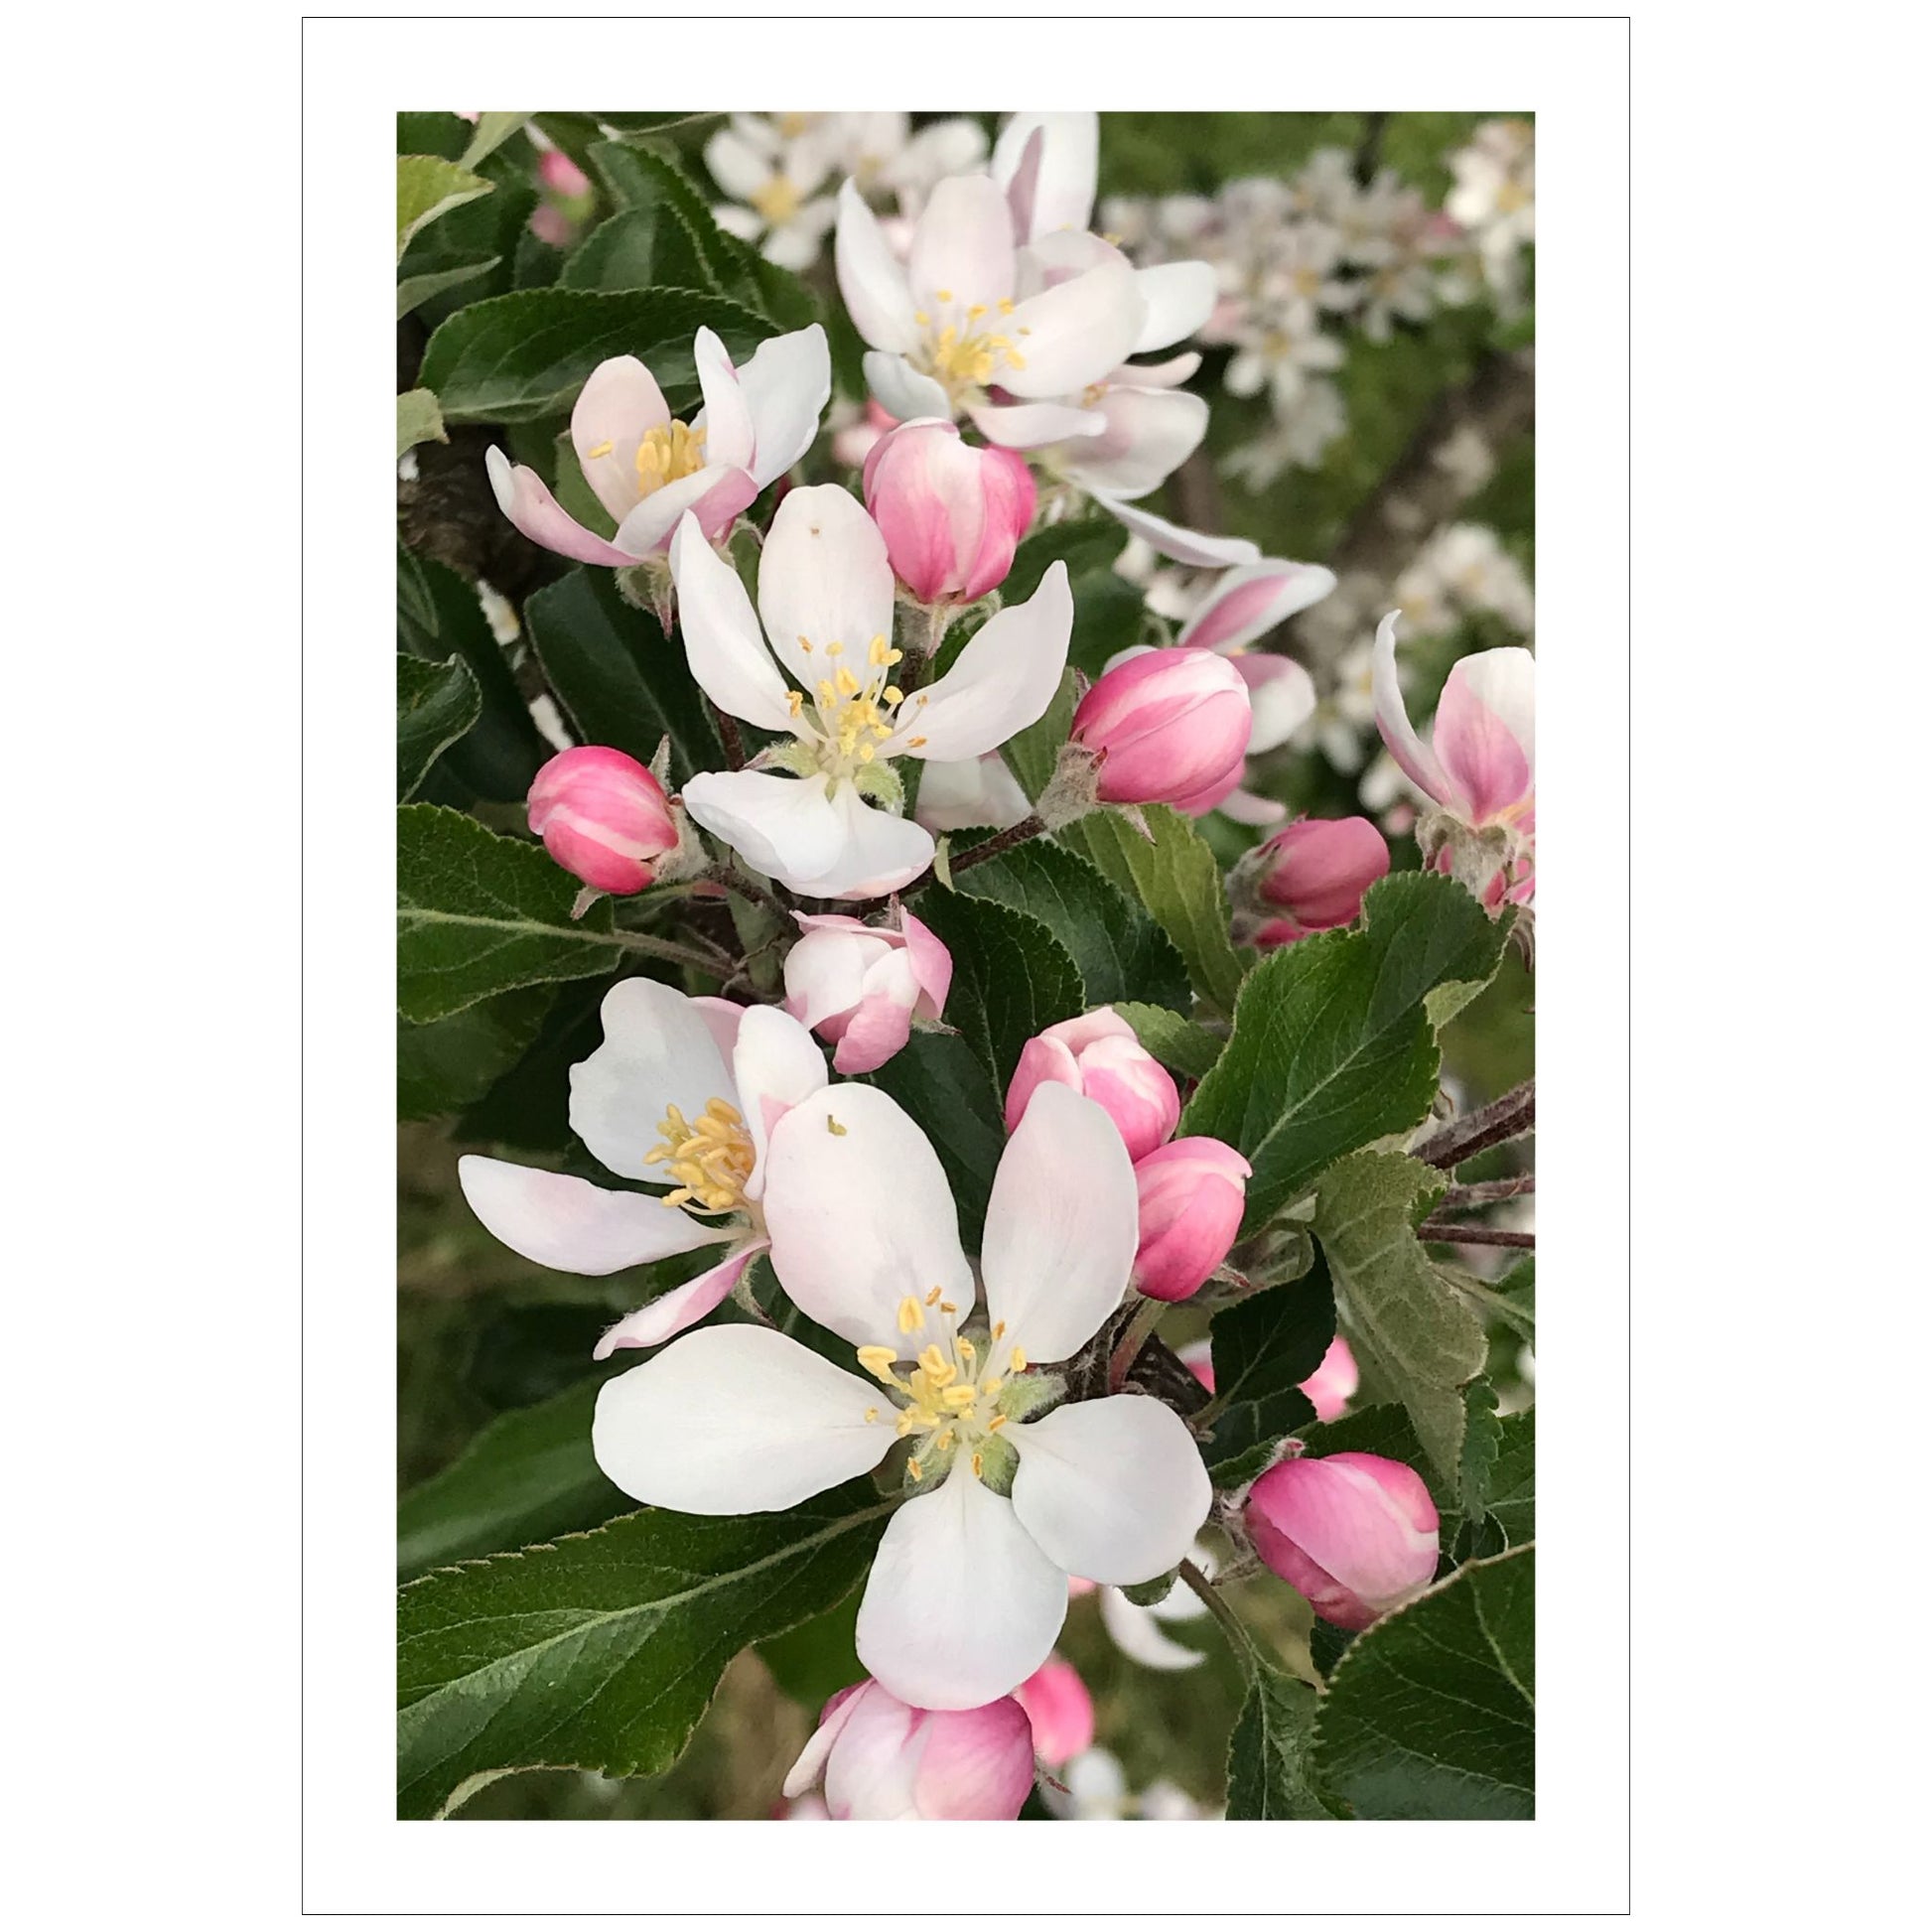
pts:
pixel 435 705
pixel 418 420
pixel 427 187
pixel 493 130
pixel 1032 754
pixel 1082 543
pixel 1416 1337
pixel 638 248
pixel 601 1652
pixel 414 290
pixel 1182 1045
pixel 1010 977
pixel 818 1658
pixel 1431 1712
pixel 1268 1752
pixel 528 1105
pixel 1332 1047
pixel 1265 1347
pixel 477 915
pixel 517 357
pixel 451 1062
pixel 621 680
pixel 1178 880
pixel 946 1087
pixel 1116 946
pixel 528 1476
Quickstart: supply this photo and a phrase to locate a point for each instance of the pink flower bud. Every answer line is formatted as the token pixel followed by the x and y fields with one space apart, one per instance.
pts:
pixel 561 175
pixel 602 816
pixel 953 514
pixel 1100 1056
pixel 862 986
pixel 1192 1195
pixel 879 1758
pixel 1172 727
pixel 1330 1386
pixel 1315 871
pixel 1253 599
pixel 1060 1710
pixel 1356 1533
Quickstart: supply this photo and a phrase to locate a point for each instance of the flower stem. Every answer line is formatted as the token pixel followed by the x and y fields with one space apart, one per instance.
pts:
pixel 1133 1342
pixel 714 963
pixel 1029 827
pixel 1231 1625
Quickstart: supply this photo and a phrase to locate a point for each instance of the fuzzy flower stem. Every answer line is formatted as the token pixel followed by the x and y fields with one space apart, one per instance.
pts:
pixel 1231 1625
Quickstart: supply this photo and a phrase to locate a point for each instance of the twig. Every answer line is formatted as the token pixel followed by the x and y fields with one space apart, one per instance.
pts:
pixel 1029 827
pixel 736 881
pixel 729 736
pixel 1477 1194
pixel 1231 1625
pixel 1502 1120
pixel 715 962
pixel 1128 1353
pixel 1471 1234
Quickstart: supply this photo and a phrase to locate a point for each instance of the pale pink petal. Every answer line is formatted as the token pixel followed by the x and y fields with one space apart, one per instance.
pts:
pixel 871 279
pixel 785 828
pixel 809 1769
pixel 659 1050
pixel 881 1023
pixel 683 1307
pixel 1138 1635
pixel 618 407
pixel 1179 297
pixel 903 391
pixel 715 497
pixel 559 1222
pixel 1074 334
pixel 1068 171
pixel 786 386
pixel 525 497
pixel 931 965
pixel 721 642
pixel 1149 433
pixel 738 167
pixel 1485 730
pixel 1251 599
pixel 1033 425
pixel 962 248
pixel 776 1066
pixel 1184 546
pixel 878 852
pixel 726 418
pixel 1392 720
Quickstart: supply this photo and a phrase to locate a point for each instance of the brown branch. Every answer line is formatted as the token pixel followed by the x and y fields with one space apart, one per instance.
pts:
pixel 1502 1120
pixel 730 737
pixel 1478 1193
pixel 1468 1234
pixel 1029 827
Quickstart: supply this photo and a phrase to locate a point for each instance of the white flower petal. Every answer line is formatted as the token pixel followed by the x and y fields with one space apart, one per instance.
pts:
pixel 824 576
pixel 871 278
pixel 1179 297
pixel 1138 1635
pixel 1112 1490
pixel 560 1221
pixel 1184 546
pixel 999 684
pixel 1149 433
pixel 682 1308
pixel 733 1420
pixel 901 390
pixel 715 495
pixel 618 407
pixel 1392 719
pixel 962 247
pixel 525 497
pixel 777 1065
pixel 657 1052
pixel 726 418
pixel 1033 425
pixel 961 1605
pixel 861 1216
pixel 878 852
pixel 784 828
pixel 1069 167
pixel 1061 1227
pixel 738 167
pixel 1074 333
pixel 721 642
pixel 786 386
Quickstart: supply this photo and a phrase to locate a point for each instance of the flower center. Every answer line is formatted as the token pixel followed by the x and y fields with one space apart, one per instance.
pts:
pixel 711 1157
pixel 1510 196
pixel 777 201
pixel 949 1399
pixel 667 453
pixel 962 355
pixel 854 716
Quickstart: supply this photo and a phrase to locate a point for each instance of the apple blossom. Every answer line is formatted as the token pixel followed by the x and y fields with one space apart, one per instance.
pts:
pixel 969 1587
pixel 879 1758
pixel 1172 727
pixel 683 1090
pixel 952 515
pixel 649 471
pixel 1312 876
pixel 825 596
pixel 1101 1057
pixel 1060 1708
pixel 1356 1533
pixel 958 793
pixel 773 172
pixel 602 816
pixel 862 986
pixel 1192 1194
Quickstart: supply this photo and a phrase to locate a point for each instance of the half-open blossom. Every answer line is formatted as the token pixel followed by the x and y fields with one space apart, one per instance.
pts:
pixel 1173 726
pixel 959 792
pixel 968 1590
pixel 1060 1708
pixel 1250 600
pixel 649 471
pixel 1356 1533
pixel 683 1092
pixel 952 515
pixel 825 598
pixel 602 817
pixel 954 333
pixel 1312 876
pixel 879 1758
pixel 1192 1193
pixel 1100 1056
pixel 862 986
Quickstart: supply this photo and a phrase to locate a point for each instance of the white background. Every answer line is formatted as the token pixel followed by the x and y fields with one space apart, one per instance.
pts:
pixel 151 1413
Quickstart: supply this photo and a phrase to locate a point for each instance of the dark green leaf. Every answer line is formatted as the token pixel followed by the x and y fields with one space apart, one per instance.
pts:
pixel 1082 543
pixel 1510 1491
pixel 415 290
pixel 1432 1712
pixel 477 915
pixel 818 1658
pixel 1268 1754
pixel 1176 1042
pixel 1009 976
pixel 1332 1044
pixel 450 1063
pixel 1032 754
pixel 1265 1347
pixel 528 1105
pixel 435 705
pixel 621 680
pixel 638 248
pixel 528 1477
pixel 1416 1337
pixel 946 1086
pixel 600 1651
pixel 1117 947
pixel 524 356
pixel 1178 880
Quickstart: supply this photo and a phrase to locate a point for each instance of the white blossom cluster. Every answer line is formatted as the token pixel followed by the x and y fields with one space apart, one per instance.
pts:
pixel 1305 261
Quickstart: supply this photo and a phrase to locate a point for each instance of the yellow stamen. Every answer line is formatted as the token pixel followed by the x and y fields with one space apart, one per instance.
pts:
pixel 877 1361
pixel 872 1415
pixel 666 454
pixel 603 449
pixel 711 1159
pixel 979 1464
pixel 832 1126
pixel 961 1396
pixel 777 201
pixel 911 1315
pixel 913 1471
pixel 938 1371
pixel 1019 1360
pixel 932 1300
